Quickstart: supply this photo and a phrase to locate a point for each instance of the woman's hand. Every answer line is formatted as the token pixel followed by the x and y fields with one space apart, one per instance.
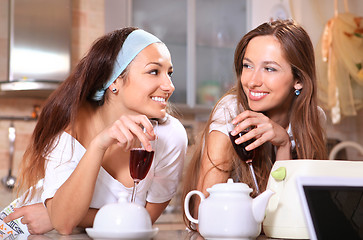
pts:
pixel 35 216
pixel 126 131
pixel 263 130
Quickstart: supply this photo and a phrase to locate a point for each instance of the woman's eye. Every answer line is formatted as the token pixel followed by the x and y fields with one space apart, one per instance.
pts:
pixel 245 65
pixel 154 72
pixel 170 74
pixel 270 69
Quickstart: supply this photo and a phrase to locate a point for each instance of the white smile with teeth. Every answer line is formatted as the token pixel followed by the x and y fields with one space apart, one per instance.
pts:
pixel 158 99
pixel 258 94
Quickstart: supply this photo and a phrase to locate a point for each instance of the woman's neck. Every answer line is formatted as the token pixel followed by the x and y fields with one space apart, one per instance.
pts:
pixel 283 119
pixel 281 114
pixel 91 121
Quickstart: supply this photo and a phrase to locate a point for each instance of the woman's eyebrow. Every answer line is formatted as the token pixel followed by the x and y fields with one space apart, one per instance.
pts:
pixel 156 63
pixel 272 62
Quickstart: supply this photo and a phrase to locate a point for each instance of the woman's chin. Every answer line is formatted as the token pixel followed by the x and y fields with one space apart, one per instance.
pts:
pixel 161 114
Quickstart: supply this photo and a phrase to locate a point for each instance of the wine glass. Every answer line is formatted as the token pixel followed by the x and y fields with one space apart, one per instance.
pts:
pixel 243 154
pixel 141 160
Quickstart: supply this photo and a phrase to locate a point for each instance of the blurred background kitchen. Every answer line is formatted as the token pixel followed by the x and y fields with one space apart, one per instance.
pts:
pixel 41 41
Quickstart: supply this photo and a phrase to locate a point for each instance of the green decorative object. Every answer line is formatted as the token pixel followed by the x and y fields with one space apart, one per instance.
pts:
pixel 279 174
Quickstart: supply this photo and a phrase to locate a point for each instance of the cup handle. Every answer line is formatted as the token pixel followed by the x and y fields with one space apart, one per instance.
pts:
pixel 186 204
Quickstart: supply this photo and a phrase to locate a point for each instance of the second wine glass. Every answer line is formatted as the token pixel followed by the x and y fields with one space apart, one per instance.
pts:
pixel 141 160
pixel 243 154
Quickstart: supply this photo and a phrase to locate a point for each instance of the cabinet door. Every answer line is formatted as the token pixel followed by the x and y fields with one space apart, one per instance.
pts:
pixel 167 20
pixel 201 36
pixel 219 27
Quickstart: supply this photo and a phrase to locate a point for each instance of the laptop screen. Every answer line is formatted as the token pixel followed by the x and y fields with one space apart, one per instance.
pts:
pixel 336 211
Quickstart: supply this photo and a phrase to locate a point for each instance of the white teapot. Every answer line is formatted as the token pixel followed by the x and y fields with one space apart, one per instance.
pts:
pixel 229 212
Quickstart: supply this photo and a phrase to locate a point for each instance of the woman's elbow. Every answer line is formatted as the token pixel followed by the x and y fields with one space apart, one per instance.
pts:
pixel 64 228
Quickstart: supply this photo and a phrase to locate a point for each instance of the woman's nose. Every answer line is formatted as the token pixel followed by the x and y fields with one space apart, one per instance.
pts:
pixel 255 80
pixel 167 85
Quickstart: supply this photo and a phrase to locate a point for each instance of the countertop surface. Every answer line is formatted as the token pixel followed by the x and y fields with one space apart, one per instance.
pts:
pixel 161 235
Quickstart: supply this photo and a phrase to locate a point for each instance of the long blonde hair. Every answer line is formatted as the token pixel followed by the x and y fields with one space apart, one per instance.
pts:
pixel 307 131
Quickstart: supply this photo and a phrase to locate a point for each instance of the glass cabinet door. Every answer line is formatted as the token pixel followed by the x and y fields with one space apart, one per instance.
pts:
pixel 167 20
pixel 201 36
pixel 219 27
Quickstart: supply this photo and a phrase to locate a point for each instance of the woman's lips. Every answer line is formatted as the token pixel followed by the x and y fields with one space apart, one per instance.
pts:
pixel 161 100
pixel 257 95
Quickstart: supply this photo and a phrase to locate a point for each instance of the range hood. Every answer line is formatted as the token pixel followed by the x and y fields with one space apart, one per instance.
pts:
pixel 39 47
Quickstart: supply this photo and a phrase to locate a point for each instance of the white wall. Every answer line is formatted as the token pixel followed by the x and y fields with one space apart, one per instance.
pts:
pixel 313 15
pixel 263 10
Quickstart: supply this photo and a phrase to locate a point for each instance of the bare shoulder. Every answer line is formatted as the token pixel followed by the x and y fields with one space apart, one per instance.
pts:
pixel 217 151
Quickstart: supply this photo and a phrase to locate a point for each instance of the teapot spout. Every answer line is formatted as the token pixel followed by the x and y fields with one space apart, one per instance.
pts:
pixel 259 205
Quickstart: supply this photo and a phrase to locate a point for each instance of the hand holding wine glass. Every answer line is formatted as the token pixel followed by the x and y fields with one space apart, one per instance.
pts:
pixel 141 160
pixel 244 155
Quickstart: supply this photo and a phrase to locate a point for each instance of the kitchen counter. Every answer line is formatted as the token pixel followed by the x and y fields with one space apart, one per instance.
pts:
pixel 81 235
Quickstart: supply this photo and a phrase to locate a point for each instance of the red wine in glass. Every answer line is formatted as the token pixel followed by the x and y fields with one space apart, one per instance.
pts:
pixel 141 160
pixel 245 155
pixel 140 163
pixel 241 148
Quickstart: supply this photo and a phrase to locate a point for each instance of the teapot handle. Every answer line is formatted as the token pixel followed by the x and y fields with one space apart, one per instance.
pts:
pixel 186 204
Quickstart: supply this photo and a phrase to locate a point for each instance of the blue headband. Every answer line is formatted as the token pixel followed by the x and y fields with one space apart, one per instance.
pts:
pixel 135 42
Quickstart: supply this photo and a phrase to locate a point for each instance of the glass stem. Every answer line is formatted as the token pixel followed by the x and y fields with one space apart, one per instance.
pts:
pixel 134 190
pixel 253 176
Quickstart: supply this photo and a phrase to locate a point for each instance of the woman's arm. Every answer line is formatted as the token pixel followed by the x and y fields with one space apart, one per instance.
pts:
pixel 88 220
pixel 215 163
pixel 155 209
pixel 36 218
pixel 71 202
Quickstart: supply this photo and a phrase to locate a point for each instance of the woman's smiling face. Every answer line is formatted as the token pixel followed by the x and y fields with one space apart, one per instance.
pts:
pixel 267 78
pixel 148 85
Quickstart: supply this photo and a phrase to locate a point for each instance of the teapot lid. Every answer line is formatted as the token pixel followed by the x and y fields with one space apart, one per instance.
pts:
pixel 230 186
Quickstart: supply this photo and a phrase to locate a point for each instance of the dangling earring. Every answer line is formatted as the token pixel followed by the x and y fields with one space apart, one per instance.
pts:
pixel 114 90
pixel 297 92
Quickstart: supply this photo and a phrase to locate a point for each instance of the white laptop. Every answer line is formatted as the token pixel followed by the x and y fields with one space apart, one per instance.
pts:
pixel 333 206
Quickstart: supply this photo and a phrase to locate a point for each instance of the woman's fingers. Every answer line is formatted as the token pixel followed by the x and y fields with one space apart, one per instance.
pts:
pixel 263 130
pixel 128 129
pixel 126 132
pixel 18 212
pixel 35 216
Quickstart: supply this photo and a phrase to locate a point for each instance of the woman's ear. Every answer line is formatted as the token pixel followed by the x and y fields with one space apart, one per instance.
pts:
pixel 298 85
pixel 113 87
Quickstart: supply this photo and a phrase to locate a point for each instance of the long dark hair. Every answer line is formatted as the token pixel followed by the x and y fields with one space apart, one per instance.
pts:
pixel 61 108
pixel 304 116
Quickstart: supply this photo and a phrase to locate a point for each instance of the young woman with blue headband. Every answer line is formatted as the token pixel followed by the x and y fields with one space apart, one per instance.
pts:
pixel 80 145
